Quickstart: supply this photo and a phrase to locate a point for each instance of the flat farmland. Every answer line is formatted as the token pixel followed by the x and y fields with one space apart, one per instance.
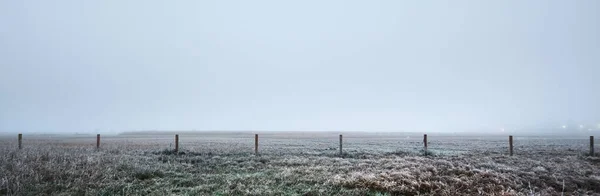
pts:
pixel 297 163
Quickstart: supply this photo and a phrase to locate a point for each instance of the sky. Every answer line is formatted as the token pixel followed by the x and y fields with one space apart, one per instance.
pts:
pixel 338 65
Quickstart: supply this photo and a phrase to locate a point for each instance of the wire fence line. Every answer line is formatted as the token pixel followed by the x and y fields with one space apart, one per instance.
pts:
pixel 280 143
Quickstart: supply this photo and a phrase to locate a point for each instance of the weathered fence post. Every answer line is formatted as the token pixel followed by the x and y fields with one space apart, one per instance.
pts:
pixel 510 144
pixel 591 145
pixel 425 142
pixel 341 152
pixel 98 141
pixel 256 144
pixel 176 143
pixel 20 140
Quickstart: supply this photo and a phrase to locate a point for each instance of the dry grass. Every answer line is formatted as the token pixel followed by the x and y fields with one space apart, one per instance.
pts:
pixel 223 164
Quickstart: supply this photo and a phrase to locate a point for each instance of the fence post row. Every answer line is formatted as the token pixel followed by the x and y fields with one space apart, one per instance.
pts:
pixel 20 138
pixel 177 143
pixel 510 144
pixel 256 144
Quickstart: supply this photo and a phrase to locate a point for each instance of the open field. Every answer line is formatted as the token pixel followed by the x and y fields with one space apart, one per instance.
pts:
pixel 295 163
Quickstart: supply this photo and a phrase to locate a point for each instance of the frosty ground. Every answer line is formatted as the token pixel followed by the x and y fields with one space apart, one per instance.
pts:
pixel 297 163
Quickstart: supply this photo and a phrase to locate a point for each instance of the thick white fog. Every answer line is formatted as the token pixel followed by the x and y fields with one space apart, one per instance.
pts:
pixel 109 66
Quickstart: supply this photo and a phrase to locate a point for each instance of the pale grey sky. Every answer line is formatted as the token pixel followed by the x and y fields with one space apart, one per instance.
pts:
pixel 298 65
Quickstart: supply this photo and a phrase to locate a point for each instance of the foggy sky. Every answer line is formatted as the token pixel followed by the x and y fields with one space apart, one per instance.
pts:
pixel 80 66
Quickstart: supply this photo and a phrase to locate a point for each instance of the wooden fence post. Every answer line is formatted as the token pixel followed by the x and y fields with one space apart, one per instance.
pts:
pixel 591 145
pixel 20 140
pixel 510 144
pixel 425 142
pixel 256 144
pixel 177 143
pixel 341 152
pixel 98 141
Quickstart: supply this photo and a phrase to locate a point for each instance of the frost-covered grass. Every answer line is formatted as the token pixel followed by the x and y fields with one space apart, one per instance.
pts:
pixel 301 164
